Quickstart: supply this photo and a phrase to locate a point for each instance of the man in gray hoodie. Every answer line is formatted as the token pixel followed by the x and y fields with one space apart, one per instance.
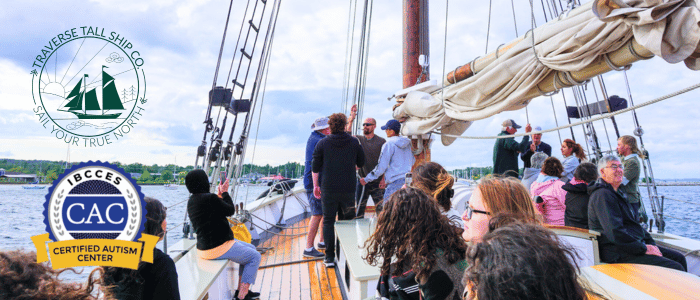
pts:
pixel 395 160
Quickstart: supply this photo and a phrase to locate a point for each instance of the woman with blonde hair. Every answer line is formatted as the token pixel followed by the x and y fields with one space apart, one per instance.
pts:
pixel 573 155
pixel 497 195
pixel 434 180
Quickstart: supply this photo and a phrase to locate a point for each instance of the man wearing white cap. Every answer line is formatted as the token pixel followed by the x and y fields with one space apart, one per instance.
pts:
pixel 536 145
pixel 505 151
pixel 320 129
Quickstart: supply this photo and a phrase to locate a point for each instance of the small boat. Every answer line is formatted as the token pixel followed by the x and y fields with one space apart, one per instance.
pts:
pixel 33 187
pixel 171 186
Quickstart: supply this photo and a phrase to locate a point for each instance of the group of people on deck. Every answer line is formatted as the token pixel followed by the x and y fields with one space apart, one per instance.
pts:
pixel 499 248
pixel 577 193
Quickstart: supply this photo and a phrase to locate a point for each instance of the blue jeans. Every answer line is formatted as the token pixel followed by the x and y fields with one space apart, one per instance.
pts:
pixel 393 187
pixel 248 259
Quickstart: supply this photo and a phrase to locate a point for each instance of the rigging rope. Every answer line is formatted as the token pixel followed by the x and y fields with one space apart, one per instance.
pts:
pixel 488 29
pixel 444 53
pixel 555 119
pixel 600 117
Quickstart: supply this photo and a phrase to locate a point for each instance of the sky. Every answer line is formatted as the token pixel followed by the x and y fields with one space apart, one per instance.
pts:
pixel 179 43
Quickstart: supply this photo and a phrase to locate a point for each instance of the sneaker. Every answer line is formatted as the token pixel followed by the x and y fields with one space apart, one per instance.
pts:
pixel 313 253
pixel 250 296
pixel 321 246
pixel 329 262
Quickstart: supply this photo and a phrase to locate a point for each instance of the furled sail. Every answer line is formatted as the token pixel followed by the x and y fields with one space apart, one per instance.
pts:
pixel 590 40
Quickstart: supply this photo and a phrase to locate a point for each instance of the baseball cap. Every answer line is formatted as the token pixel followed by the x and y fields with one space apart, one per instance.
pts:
pixel 320 123
pixel 510 123
pixel 393 125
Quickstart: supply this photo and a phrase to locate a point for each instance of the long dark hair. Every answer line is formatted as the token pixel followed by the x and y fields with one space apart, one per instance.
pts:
pixel 433 179
pixel 21 277
pixel 522 261
pixel 410 230
pixel 116 280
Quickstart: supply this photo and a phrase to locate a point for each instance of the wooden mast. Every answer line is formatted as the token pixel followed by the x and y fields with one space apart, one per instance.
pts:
pixel 415 43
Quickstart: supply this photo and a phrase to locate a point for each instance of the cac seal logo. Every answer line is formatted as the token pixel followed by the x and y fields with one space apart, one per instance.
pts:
pixel 89 86
pixel 94 212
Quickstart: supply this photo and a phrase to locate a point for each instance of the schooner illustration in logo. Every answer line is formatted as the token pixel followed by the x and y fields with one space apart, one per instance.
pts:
pixel 83 102
pixel 89 90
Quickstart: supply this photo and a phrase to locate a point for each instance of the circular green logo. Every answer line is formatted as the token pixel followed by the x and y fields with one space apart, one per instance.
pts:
pixel 89 86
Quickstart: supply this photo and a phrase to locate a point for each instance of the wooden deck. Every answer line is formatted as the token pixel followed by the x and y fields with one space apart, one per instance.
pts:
pixel 298 279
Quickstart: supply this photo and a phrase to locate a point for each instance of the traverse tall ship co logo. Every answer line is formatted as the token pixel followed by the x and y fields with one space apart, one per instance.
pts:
pixel 94 215
pixel 88 86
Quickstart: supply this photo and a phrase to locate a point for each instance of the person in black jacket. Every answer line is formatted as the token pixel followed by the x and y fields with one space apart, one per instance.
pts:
pixel 622 239
pixel 336 157
pixel 215 240
pixel 150 281
pixel 576 213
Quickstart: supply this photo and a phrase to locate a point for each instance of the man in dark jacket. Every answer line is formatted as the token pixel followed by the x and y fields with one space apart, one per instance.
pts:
pixel 536 145
pixel 336 158
pixel 505 151
pixel 622 239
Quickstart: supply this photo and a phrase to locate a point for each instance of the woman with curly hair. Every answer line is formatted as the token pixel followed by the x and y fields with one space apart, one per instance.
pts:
pixel 552 201
pixel 150 281
pixel 522 261
pixel 495 195
pixel 22 278
pixel 434 180
pixel 420 251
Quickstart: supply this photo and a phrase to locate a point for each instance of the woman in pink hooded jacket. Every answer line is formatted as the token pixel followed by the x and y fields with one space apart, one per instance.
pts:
pixel 551 201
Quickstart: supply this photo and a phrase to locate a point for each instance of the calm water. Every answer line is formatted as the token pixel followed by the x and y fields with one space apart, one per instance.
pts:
pixel 22 218
pixel 21 212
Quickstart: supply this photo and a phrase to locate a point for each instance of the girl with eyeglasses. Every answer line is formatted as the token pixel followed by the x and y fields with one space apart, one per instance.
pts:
pixel 495 195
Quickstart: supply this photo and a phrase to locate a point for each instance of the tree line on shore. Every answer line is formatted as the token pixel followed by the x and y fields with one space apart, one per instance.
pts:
pixel 49 171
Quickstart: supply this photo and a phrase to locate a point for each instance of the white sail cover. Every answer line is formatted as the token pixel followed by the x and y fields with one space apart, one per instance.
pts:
pixel 668 28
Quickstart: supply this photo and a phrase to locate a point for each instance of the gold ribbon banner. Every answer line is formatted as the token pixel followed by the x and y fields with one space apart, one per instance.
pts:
pixel 95 252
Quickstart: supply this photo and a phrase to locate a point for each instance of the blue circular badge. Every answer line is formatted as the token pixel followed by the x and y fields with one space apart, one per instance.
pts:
pixel 94 200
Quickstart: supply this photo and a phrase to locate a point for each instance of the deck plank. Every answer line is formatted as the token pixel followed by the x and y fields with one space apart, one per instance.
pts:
pixel 325 286
pixel 314 280
pixel 307 280
pixel 333 282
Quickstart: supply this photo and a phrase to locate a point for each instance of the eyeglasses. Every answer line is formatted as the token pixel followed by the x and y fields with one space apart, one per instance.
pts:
pixel 470 211
pixel 368 124
pixel 615 167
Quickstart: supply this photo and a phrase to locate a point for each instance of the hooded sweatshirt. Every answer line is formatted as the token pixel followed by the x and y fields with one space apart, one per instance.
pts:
pixel 576 214
pixel 553 207
pixel 337 155
pixel 395 160
pixel 611 215
pixel 208 212
pixel 529 176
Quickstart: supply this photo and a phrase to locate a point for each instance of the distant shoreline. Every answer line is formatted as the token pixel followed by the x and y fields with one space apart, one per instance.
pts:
pixel 672 183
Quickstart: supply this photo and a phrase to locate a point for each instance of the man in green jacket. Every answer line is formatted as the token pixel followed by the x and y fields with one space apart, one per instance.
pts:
pixel 630 156
pixel 505 151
